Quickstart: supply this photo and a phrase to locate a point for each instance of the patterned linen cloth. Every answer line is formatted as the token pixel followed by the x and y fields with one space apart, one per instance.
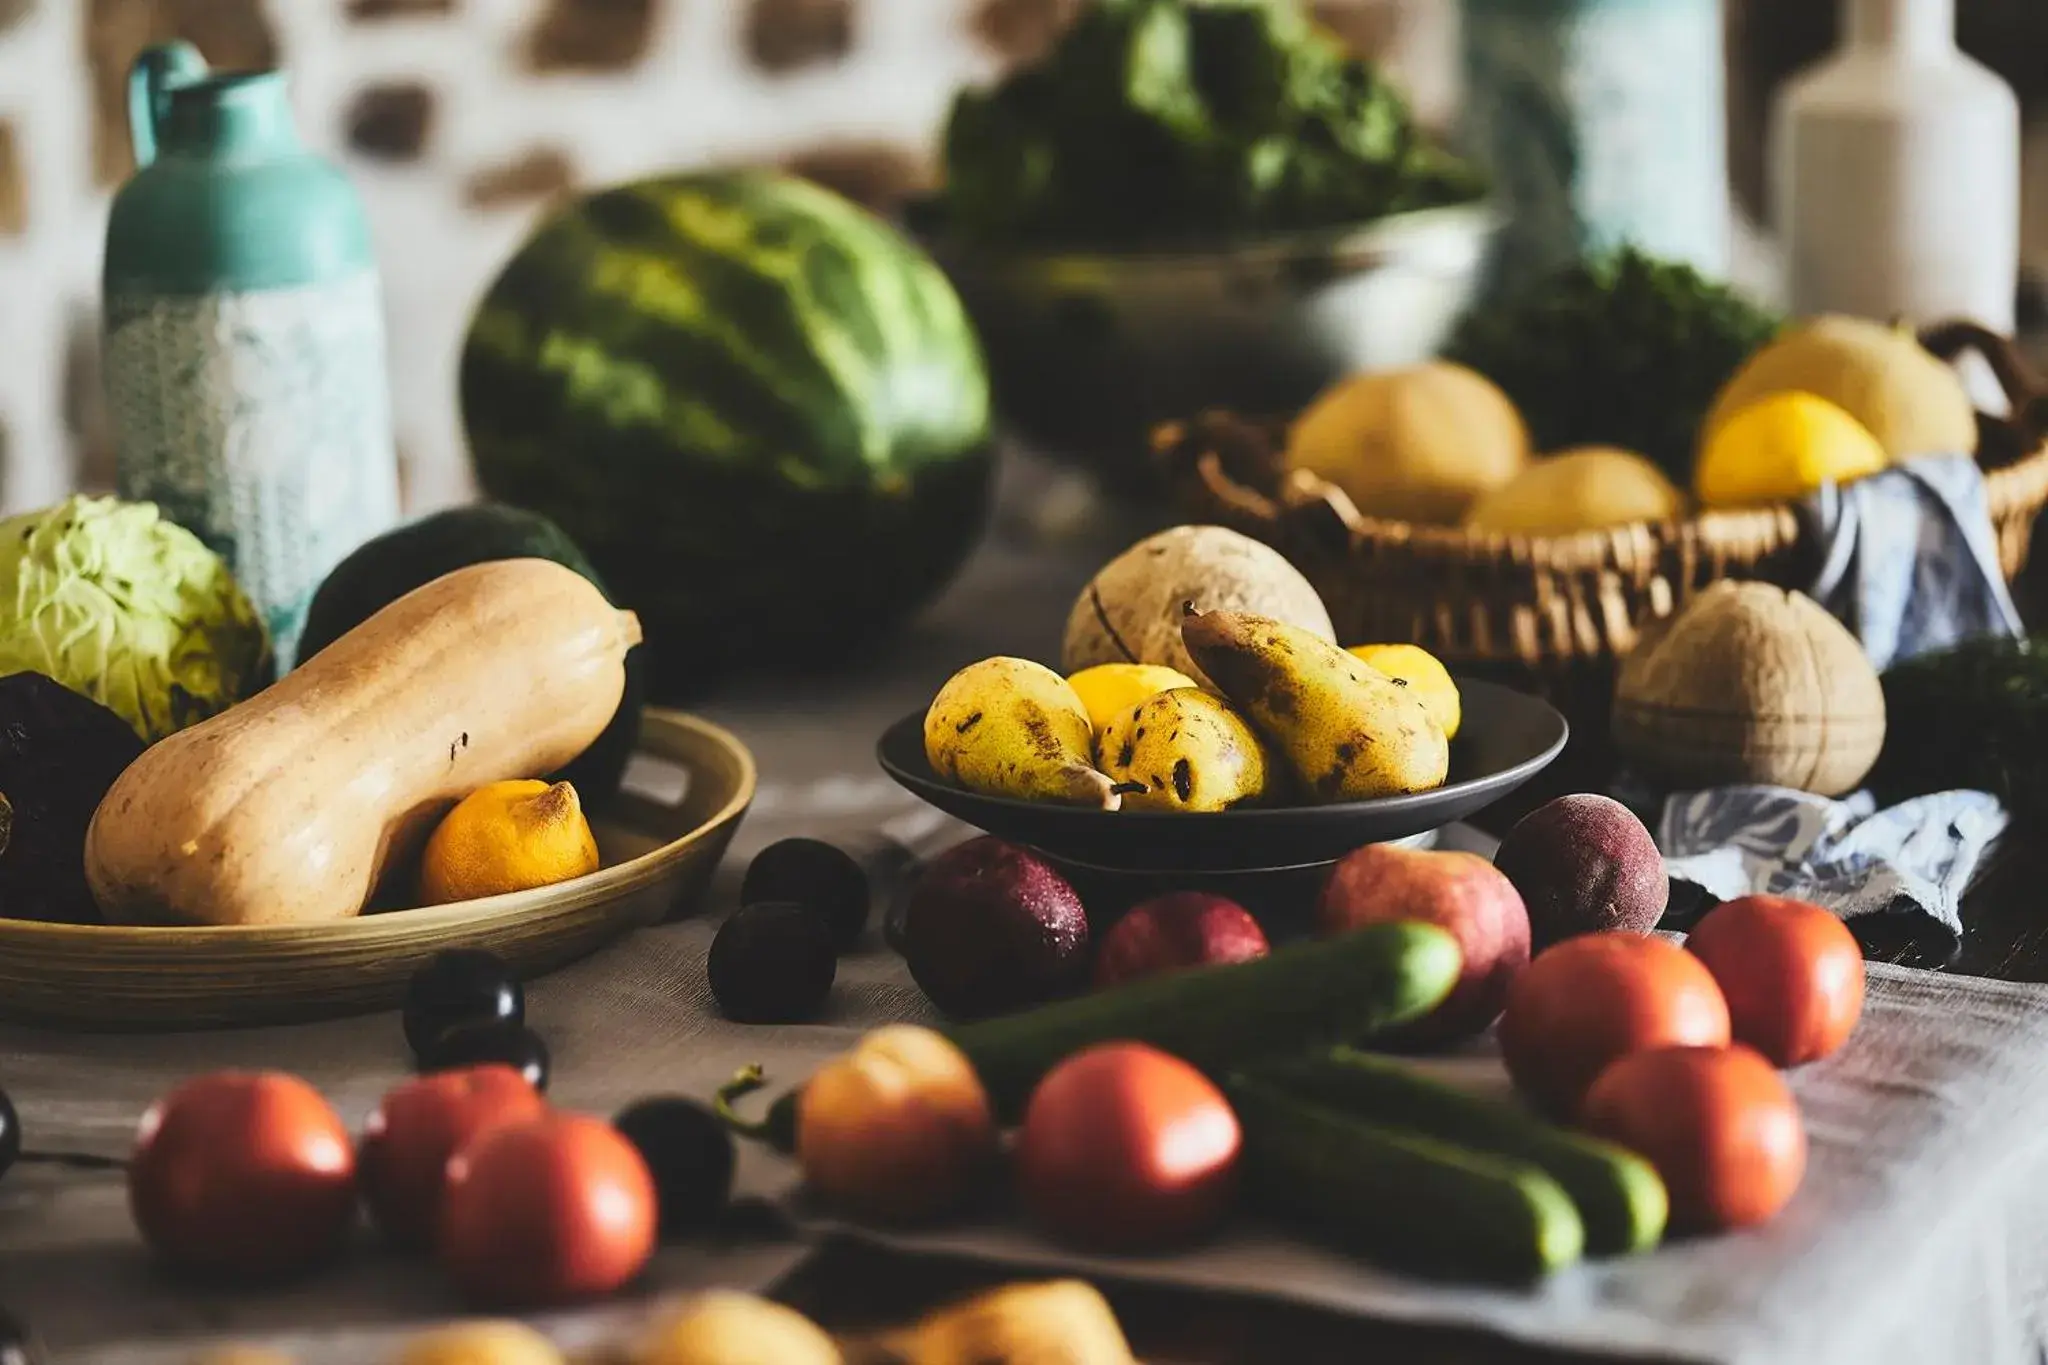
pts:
pixel 1911 565
pixel 1911 862
pixel 1911 561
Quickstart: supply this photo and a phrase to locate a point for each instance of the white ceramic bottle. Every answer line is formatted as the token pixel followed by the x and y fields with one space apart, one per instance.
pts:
pixel 1896 167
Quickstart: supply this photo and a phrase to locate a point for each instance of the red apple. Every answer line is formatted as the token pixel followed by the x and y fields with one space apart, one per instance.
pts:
pixel 409 1137
pixel 1178 930
pixel 1458 892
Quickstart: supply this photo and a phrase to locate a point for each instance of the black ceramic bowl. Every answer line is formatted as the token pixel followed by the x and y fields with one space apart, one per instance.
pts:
pixel 1506 738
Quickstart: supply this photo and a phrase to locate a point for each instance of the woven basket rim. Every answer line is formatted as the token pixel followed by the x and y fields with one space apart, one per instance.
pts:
pixel 2011 488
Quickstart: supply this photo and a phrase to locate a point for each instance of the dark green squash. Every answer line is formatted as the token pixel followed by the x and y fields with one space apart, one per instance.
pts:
pixel 385 569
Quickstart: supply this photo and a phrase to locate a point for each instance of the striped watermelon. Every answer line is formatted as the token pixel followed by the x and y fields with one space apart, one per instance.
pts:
pixel 760 410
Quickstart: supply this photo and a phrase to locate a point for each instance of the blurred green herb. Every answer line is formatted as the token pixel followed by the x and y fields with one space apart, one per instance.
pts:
pixel 1975 716
pixel 1619 349
pixel 1168 121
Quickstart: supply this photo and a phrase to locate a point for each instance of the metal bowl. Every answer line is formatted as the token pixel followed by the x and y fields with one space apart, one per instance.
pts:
pixel 1089 351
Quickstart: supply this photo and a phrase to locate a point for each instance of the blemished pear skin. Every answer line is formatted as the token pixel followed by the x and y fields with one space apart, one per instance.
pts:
pixel 1184 750
pixel 1349 732
pixel 1012 727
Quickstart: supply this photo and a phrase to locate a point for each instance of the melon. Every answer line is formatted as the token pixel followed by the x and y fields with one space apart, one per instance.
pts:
pixel 760 410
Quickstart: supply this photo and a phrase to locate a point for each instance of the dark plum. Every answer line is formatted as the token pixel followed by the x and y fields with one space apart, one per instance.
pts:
pixel 772 963
pixel 476 1043
pixel 815 874
pixel 689 1153
pixel 459 986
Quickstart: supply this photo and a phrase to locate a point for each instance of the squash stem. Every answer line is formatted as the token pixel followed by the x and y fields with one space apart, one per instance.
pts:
pixel 745 1081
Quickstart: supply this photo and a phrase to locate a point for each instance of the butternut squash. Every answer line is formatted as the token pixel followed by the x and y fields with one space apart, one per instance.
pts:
pixel 292 807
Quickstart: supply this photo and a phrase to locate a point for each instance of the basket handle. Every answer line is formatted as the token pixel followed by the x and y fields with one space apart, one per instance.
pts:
pixel 1319 513
pixel 2023 387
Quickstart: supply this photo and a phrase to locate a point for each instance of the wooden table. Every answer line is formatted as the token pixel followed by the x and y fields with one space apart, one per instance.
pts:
pixel 2007 937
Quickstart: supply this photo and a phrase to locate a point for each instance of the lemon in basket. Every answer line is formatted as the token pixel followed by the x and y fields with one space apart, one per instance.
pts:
pixel 1912 402
pixel 1781 448
pixel 1427 680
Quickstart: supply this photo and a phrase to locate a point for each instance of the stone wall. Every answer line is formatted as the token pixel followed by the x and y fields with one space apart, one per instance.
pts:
pixel 459 120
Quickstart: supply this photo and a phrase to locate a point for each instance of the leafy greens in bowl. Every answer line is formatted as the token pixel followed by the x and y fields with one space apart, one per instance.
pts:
pixel 1194 204
pixel 1160 123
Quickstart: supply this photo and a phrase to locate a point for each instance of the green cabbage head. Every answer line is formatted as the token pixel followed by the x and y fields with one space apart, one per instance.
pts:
pixel 134 611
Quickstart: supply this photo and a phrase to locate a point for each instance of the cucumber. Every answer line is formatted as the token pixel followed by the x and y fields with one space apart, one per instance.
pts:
pixel 1305 995
pixel 1411 1203
pixel 1619 1195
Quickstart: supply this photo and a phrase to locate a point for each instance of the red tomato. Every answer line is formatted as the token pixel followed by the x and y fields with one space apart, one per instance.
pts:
pixel 243 1175
pixel 1588 1000
pixel 1125 1147
pixel 1718 1123
pixel 1792 972
pixel 546 1211
pixel 403 1157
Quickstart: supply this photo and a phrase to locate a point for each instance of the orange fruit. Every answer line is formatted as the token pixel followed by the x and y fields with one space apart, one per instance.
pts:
pixel 508 836
pixel 1583 1003
pixel 1718 1123
pixel 1791 971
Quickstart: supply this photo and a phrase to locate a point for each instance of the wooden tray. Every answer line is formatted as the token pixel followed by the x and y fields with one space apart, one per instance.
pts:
pixel 661 840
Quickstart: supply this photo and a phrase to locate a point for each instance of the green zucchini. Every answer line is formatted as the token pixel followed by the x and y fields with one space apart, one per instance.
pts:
pixel 1305 995
pixel 1411 1203
pixel 1619 1195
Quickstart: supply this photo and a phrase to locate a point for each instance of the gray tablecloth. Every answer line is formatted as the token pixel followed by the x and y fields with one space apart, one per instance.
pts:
pixel 1919 1236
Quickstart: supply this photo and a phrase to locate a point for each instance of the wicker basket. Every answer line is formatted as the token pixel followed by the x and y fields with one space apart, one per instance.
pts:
pixel 1551 612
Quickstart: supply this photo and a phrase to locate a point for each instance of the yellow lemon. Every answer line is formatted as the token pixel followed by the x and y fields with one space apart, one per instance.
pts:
pixel 1783 447
pixel 508 836
pixel 1428 681
pixel 1911 402
pixel 1109 690
pixel 480 1343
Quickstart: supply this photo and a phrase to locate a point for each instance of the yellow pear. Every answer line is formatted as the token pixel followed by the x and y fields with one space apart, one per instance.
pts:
pixel 1187 750
pixel 1350 732
pixel 1012 727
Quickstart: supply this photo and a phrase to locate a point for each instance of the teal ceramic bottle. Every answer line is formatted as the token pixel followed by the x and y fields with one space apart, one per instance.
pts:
pixel 1601 121
pixel 244 335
